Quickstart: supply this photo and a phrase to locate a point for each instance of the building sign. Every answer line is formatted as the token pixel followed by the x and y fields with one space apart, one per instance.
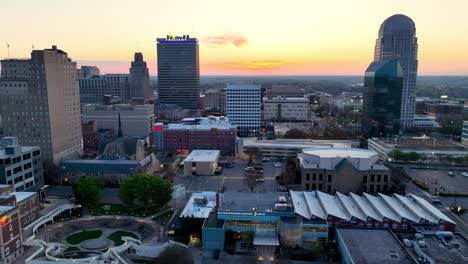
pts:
pixel 241 213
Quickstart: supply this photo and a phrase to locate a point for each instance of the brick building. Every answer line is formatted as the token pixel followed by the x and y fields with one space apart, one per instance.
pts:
pixel 343 170
pixel 90 136
pixel 210 133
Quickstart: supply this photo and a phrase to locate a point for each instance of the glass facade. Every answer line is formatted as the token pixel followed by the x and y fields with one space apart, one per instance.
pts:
pixel 179 72
pixel 383 85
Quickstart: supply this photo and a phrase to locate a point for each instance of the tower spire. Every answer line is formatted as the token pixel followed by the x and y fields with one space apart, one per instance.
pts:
pixel 120 134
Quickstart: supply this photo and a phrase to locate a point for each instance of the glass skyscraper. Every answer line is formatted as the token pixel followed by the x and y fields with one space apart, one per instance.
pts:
pixel 179 71
pixel 397 41
pixel 383 86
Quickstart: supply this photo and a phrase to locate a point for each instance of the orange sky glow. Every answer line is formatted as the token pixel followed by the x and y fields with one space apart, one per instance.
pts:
pixel 242 37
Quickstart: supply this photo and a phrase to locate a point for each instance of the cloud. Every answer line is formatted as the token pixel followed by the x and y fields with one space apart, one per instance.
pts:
pixel 235 39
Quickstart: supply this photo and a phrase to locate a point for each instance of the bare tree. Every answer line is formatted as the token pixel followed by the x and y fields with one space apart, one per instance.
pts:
pixel 250 179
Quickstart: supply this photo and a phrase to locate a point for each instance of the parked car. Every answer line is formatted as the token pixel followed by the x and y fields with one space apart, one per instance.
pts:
pixel 277 165
pixel 249 168
pixel 451 173
pixel 465 174
pixel 216 254
pixel 266 159
pixel 260 180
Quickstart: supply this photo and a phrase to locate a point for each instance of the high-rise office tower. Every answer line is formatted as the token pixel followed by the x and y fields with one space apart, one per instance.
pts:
pixel 139 79
pixel 243 103
pixel 40 103
pixel 397 40
pixel 179 71
pixel 383 86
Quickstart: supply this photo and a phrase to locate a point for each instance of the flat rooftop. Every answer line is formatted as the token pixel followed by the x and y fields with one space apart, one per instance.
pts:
pixel 423 143
pixel 20 196
pixel 374 246
pixel 296 143
pixel 25 149
pixel 5 209
pixel 195 210
pixel 202 156
pixel 340 152
pixel 251 201
pixel 441 254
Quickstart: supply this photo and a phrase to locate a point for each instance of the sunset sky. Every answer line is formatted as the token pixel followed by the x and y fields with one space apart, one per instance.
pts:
pixel 254 37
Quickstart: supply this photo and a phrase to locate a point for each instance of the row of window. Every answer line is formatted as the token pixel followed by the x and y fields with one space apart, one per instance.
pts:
pixel 320 177
pixel 379 178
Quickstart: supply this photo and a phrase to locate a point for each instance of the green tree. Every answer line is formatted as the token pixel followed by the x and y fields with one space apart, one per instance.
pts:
pixel 144 190
pixel 175 255
pixel 88 191
pixel 295 133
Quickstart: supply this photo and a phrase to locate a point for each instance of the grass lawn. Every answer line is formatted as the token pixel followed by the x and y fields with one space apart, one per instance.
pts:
pixel 77 238
pixel 117 237
pixel 71 249
pixel 162 219
pixel 119 209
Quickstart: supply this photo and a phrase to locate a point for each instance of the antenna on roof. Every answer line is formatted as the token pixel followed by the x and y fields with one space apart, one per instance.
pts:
pixel 8 48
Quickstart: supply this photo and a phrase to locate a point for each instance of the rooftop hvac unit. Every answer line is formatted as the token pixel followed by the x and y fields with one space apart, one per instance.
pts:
pixel 282 199
pixel 200 200
pixel 282 207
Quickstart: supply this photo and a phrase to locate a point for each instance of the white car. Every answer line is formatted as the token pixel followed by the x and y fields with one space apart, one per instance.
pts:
pixel 249 168
pixel 465 174
pixel 260 180
pixel 277 164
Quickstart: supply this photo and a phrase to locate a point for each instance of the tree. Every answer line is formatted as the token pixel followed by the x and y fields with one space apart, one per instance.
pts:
pixel 252 153
pixel 295 133
pixel 250 179
pixel 88 191
pixel 144 190
pixel 175 255
pixel 288 176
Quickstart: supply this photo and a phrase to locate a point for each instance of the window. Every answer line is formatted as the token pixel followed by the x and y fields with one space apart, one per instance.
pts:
pixel 329 178
pixel 404 226
pixel 11 236
pixel 314 176
pixel 10 227
pixel 385 225
pixel 369 224
pixel 308 177
pixel 372 178
pixel 385 178
pixel 371 189
pixel 7 251
pixel 364 188
pixel 320 187
pixel 329 188
pixel 18 243
pixel 314 186
pixel 320 177
pixel 307 186
pixel 364 179
pixel 379 178
pixel 394 226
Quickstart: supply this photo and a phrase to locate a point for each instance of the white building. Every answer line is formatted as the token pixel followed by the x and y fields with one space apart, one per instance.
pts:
pixel 288 147
pixel 354 104
pixel 285 108
pixel 243 107
pixel 464 138
pixel 201 162
pixel 20 166
pixel 136 120
pixel 425 122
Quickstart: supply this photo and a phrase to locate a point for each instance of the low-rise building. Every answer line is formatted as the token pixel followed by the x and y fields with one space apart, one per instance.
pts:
pixel 371 246
pixel 285 108
pixel 10 234
pixel 284 91
pixel 432 150
pixel 300 218
pixel 20 166
pixel 211 133
pixel 425 122
pixel 27 202
pixel 216 100
pixel 343 170
pixel 201 162
pixel 287 148
pixel 443 112
pixel 112 171
pixel 136 120
pixel 349 104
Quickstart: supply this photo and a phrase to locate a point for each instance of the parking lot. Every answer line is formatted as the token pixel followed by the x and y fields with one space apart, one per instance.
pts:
pixel 441 180
pixel 232 179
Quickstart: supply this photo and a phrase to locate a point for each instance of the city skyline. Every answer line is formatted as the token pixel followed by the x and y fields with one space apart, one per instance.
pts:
pixel 238 38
